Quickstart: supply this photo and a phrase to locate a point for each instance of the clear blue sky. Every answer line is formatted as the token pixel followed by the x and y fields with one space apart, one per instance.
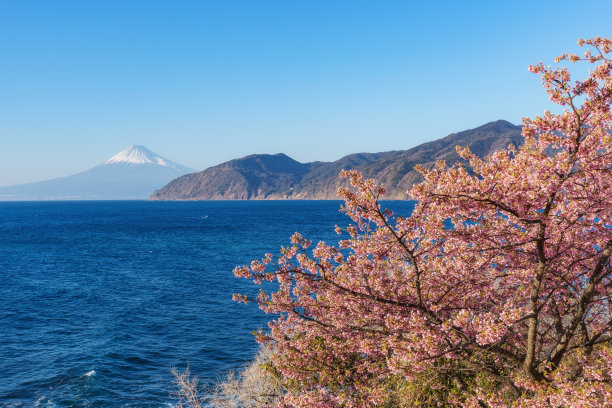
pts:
pixel 202 82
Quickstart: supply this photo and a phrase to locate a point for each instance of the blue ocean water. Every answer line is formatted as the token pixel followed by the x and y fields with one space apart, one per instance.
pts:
pixel 99 300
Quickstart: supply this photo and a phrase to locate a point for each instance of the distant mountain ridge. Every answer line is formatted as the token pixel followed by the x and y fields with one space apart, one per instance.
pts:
pixel 133 173
pixel 278 176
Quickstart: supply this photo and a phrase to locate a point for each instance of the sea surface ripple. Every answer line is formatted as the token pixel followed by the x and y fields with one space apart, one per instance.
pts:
pixel 99 300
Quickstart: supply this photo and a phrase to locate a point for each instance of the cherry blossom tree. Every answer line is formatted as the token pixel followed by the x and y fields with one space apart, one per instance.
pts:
pixel 494 292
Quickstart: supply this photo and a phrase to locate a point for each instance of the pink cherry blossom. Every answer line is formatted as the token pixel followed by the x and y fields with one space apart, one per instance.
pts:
pixel 514 297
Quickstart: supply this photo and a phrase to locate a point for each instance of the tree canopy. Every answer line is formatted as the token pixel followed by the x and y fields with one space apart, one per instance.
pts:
pixel 494 292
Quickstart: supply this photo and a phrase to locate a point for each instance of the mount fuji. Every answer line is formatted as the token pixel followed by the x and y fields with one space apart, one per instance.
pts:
pixel 132 174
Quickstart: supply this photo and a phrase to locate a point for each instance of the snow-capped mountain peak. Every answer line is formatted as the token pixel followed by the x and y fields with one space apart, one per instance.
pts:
pixel 137 154
pixel 132 174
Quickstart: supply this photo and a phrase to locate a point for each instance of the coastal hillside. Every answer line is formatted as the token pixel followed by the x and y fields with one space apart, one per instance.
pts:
pixel 278 176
